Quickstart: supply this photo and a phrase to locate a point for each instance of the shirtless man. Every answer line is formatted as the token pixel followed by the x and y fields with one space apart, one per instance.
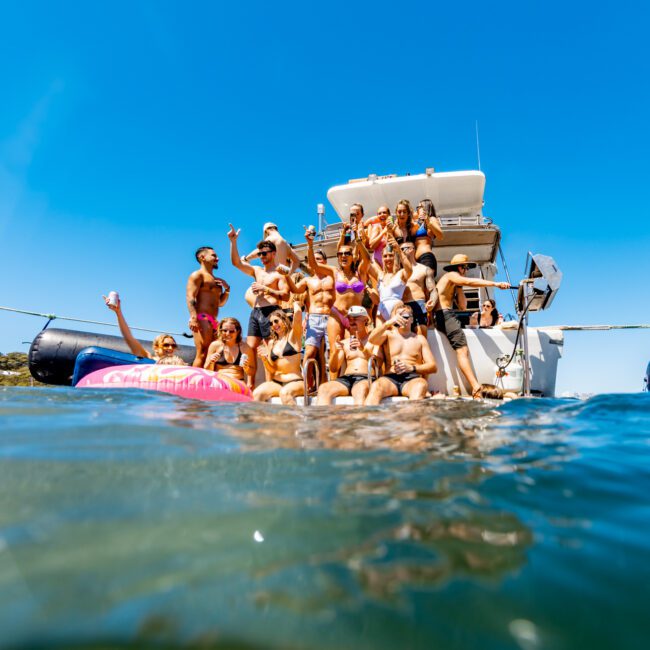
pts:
pixel 320 292
pixel 284 253
pixel 409 360
pixel 205 294
pixel 355 352
pixel 450 286
pixel 269 287
pixel 420 293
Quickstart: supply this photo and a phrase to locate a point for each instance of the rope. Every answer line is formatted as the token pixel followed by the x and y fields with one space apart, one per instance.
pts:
pixel 505 268
pixel 52 317
pixel 592 328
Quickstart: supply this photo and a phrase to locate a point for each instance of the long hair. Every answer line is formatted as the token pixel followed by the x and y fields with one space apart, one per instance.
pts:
pixel 231 321
pixel 429 208
pixel 409 218
pixel 494 312
pixel 284 318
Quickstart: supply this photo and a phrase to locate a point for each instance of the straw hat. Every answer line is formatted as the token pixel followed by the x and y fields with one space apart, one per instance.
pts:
pixel 458 260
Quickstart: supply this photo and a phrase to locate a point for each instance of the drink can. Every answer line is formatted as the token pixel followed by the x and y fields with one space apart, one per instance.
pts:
pixel 456 391
pixel 283 268
pixel 244 360
pixel 113 298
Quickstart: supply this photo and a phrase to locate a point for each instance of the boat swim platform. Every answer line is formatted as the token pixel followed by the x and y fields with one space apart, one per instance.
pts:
pixel 545 347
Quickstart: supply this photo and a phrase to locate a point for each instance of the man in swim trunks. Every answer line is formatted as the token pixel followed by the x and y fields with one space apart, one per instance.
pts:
pixel 284 253
pixel 355 352
pixel 320 295
pixel 450 286
pixel 409 359
pixel 205 294
pixel 420 293
pixel 269 288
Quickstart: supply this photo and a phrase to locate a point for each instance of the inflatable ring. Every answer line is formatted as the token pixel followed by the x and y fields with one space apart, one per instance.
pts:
pixel 184 381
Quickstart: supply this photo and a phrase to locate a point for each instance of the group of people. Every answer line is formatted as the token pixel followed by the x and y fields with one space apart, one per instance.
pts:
pixel 371 308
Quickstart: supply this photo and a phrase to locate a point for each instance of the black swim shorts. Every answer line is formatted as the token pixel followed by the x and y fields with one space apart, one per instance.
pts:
pixel 428 259
pixel 258 323
pixel 349 381
pixel 400 379
pixel 449 325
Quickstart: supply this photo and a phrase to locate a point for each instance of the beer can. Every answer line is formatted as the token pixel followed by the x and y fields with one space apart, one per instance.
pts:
pixel 243 360
pixel 113 298
pixel 283 268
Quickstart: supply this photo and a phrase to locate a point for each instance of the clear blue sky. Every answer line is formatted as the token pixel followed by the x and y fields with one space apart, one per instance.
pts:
pixel 133 132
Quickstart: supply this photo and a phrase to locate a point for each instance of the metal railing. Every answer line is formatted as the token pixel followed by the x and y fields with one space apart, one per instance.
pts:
pixel 305 379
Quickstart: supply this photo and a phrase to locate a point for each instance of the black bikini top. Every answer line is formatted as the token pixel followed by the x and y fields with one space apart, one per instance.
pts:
pixel 221 361
pixel 288 351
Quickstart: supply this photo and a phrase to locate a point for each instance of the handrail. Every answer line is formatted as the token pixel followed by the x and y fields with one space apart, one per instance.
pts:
pixel 373 364
pixel 305 376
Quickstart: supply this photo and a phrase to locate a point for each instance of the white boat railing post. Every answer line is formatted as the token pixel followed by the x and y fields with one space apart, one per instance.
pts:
pixel 320 209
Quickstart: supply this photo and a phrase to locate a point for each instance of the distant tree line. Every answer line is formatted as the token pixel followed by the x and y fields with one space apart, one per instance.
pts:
pixel 14 370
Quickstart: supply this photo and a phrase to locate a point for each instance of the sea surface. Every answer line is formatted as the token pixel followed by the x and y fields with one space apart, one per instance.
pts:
pixel 144 520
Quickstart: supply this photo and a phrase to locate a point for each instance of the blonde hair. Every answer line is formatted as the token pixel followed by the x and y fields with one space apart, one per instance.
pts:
pixel 157 343
pixel 172 360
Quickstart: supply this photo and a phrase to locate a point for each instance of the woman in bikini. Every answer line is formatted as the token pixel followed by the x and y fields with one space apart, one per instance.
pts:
pixel 225 354
pixel 281 358
pixel 424 231
pixel 376 228
pixel 349 285
pixel 392 279
pixel 403 222
pixel 164 345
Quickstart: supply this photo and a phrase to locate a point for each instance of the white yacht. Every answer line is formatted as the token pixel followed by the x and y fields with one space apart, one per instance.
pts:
pixel 458 198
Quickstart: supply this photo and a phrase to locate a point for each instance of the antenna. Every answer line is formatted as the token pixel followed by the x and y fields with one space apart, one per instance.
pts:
pixel 478 149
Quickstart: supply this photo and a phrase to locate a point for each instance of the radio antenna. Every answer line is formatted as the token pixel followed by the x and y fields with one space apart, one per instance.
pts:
pixel 478 149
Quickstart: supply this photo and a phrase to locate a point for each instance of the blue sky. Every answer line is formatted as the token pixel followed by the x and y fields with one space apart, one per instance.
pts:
pixel 132 133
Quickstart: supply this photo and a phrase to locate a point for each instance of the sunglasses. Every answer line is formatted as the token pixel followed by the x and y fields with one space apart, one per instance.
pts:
pixel 344 253
pixel 229 331
pixel 172 346
pixel 463 266
pixel 407 249
pixel 265 252
pixel 275 321
pixel 406 316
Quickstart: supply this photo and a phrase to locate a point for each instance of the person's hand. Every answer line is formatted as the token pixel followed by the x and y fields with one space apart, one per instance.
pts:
pixel 225 287
pixel 213 358
pixel 339 345
pixel 232 233
pixel 309 234
pixel 473 320
pixel 432 302
pixel 283 269
pixel 263 351
pixel 396 320
pixel 193 324
pixel 114 308
pixel 258 288
pixel 401 367
pixel 503 285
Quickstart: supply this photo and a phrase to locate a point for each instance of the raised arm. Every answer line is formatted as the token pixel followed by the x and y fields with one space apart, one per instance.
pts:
pixel 296 326
pixel 313 264
pixel 407 267
pixel 379 334
pixel 374 239
pixel 434 228
pixel 134 345
pixel 244 267
pixel 301 287
pixel 295 260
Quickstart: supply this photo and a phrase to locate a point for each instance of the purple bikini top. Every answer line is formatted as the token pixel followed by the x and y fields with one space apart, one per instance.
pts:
pixel 356 285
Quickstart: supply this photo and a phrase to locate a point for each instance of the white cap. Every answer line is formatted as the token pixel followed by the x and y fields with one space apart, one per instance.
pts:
pixel 357 310
pixel 267 225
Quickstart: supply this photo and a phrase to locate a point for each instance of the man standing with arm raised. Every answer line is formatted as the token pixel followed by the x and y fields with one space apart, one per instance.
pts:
pixel 269 287
pixel 205 294
pixel 420 293
pixel 450 286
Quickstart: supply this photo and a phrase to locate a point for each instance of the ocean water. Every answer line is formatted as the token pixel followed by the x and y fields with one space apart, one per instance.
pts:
pixel 144 520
